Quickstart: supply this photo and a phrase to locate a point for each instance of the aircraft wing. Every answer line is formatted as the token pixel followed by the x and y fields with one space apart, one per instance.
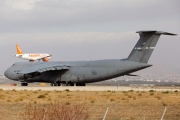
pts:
pixel 43 68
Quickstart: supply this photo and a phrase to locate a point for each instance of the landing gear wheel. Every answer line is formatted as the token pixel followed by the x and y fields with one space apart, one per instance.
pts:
pixel 83 84
pixel 71 84
pixel 63 84
pixel 24 84
pixel 80 84
pixel 54 84
pixel 58 83
pixel 67 84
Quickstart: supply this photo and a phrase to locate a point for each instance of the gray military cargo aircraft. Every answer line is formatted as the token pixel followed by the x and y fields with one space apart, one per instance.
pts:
pixel 81 72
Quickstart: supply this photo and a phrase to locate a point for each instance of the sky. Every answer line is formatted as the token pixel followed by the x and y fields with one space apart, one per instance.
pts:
pixel 74 30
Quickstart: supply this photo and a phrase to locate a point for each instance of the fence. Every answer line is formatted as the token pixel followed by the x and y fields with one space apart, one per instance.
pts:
pixel 14 113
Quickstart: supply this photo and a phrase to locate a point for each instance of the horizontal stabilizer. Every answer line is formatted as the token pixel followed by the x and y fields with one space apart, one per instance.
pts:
pixel 156 32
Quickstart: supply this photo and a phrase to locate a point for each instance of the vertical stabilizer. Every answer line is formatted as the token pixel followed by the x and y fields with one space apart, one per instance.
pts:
pixel 18 50
pixel 145 46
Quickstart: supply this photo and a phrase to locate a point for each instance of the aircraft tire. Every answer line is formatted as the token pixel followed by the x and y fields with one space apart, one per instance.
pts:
pixel 53 84
pixel 63 84
pixel 58 83
pixel 24 84
pixel 66 84
pixel 80 84
pixel 71 84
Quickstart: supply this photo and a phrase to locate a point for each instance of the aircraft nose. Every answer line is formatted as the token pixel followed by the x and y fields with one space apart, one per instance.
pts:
pixel 6 73
pixel 49 55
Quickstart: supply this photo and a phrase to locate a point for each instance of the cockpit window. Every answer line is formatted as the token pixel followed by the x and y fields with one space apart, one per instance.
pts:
pixel 13 64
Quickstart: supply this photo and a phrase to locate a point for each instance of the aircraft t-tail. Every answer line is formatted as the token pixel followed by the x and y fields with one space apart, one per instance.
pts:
pixel 81 72
pixel 32 56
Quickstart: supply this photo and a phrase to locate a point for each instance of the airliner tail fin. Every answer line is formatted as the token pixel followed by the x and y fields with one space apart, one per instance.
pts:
pixel 18 50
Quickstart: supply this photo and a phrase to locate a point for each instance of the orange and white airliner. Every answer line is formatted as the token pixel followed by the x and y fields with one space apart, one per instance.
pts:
pixel 32 56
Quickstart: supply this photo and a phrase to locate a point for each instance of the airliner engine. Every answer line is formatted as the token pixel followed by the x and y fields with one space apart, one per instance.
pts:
pixel 46 59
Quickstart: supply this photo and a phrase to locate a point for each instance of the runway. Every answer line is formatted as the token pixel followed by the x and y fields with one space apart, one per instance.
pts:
pixel 88 88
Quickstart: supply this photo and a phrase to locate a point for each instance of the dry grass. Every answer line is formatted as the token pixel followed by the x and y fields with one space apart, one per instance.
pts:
pixel 128 105
pixel 54 111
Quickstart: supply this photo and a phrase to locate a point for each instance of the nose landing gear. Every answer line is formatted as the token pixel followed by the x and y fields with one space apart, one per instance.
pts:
pixel 24 84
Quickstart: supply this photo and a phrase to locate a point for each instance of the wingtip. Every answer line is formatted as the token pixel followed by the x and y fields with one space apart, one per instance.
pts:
pixel 164 33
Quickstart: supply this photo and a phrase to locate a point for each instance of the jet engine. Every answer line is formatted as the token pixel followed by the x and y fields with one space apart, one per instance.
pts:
pixel 31 60
pixel 46 59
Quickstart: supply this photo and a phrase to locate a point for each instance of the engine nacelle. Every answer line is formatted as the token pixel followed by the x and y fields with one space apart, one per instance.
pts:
pixel 31 60
pixel 46 59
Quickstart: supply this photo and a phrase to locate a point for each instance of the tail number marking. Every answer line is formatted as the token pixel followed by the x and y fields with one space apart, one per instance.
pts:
pixel 142 48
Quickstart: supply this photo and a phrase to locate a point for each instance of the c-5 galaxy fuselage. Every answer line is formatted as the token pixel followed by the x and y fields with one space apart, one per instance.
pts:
pixel 81 72
pixel 74 72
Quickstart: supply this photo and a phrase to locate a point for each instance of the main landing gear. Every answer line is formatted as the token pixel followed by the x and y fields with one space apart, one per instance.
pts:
pixel 24 84
pixel 67 84
pixel 80 84
pixel 57 83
